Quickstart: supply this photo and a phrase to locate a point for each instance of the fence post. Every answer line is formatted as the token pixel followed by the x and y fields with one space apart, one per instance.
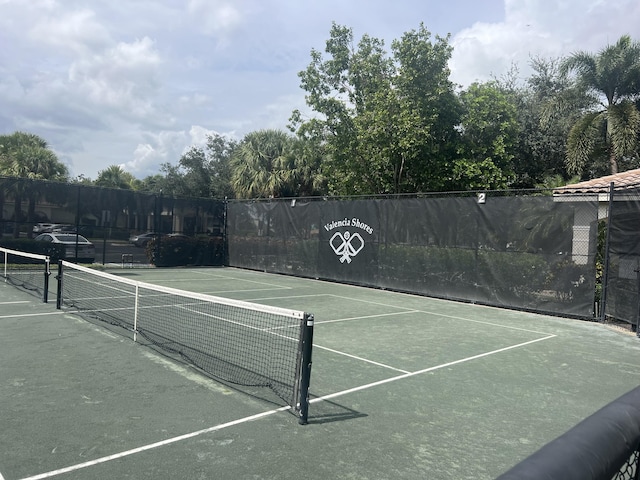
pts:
pixel 605 268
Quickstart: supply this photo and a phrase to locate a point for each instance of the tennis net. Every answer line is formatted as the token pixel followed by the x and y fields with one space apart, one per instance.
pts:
pixel 28 271
pixel 234 341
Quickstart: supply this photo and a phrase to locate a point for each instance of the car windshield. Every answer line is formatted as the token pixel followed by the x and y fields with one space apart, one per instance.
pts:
pixel 71 238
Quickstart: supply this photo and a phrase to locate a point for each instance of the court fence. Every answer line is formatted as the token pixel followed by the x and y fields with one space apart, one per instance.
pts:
pixel 533 251
pixel 559 252
pixel 188 230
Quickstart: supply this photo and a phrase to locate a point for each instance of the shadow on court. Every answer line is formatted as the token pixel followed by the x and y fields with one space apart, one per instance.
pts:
pixel 402 387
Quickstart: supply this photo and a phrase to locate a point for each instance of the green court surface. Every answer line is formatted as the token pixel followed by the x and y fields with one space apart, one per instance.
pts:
pixel 403 387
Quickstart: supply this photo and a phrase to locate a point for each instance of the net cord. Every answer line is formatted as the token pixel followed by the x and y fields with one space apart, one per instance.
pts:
pixel 285 312
pixel 35 256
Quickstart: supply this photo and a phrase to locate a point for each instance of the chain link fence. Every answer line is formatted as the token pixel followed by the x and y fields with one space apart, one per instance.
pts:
pixel 120 223
pixel 533 250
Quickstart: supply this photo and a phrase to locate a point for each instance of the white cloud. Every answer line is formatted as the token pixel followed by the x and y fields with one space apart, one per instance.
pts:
pixel 198 135
pixel 138 82
pixel 123 77
pixel 534 28
pixel 77 32
pixel 217 17
pixel 166 146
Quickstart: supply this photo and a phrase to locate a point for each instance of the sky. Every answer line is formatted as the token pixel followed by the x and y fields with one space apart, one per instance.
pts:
pixel 136 83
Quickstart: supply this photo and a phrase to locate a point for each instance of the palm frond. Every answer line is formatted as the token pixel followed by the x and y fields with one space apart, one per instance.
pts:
pixel 623 126
pixel 582 141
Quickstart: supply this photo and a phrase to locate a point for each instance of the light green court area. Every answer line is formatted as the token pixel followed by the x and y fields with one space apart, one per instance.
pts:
pixel 402 387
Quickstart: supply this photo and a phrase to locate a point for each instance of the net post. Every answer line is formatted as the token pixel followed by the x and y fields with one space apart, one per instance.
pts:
pixel 305 374
pixel 47 272
pixel 135 314
pixel 59 290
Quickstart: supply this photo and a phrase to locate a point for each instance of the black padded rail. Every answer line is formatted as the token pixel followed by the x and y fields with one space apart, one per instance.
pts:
pixel 595 449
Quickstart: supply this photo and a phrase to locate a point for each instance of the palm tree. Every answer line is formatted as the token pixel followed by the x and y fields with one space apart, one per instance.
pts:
pixel 262 166
pixel 612 78
pixel 28 156
pixel 114 176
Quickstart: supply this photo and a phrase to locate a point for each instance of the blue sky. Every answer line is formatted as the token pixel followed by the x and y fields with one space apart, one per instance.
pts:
pixel 137 82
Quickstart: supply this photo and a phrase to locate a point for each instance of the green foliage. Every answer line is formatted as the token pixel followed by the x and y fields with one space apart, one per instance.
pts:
pixel 384 122
pixel 115 176
pixel 477 175
pixel 488 139
pixel 263 165
pixel 201 172
pixel 610 133
pixel 27 155
pixel 273 163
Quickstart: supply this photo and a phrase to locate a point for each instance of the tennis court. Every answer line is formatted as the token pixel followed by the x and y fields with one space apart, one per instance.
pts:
pixel 402 386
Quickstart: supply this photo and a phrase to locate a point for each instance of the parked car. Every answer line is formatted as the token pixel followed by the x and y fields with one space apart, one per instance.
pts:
pixel 45 227
pixel 64 229
pixel 142 239
pixel 86 249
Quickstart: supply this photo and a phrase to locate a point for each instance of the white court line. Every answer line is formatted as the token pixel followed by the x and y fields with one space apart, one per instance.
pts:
pixel 314 295
pixel 426 370
pixel 355 357
pixel 59 312
pixel 269 284
pixel 244 290
pixel 454 317
pixel 12 303
pixel 151 446
pixel 368 316
pixel 239 421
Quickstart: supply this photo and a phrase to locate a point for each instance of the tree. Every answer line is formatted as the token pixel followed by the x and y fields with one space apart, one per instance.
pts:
pixel 220 150
pixel 488 139
pixel 262 166
pixel 611 128
pixel 381 122
pixel 27 155
pixel 200 172
pixel 546 105
pixel 115 176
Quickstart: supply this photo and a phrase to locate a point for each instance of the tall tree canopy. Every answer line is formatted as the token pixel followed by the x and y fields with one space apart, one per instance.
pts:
pixel 612 78
pixel 263 165
pixel 383 122
pixel 487 145
pixel 115 176
pixel 27 155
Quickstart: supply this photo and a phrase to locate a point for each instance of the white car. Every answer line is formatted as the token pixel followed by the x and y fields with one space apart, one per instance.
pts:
pixel 86 249
pixel 45 227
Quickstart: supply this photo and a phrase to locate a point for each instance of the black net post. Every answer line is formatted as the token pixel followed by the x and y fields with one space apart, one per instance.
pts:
pixel 47 272
pixel 305 375
pixel 59 290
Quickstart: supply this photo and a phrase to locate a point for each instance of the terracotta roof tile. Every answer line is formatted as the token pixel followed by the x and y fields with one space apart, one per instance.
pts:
pixel 621 181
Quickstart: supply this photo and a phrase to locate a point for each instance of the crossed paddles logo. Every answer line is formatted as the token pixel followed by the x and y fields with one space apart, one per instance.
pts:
pixel 346 245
